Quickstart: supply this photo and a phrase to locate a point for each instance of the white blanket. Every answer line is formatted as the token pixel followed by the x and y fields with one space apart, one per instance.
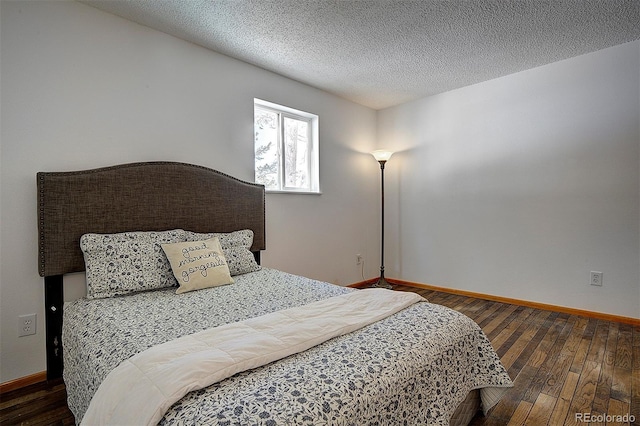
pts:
pixel 141 389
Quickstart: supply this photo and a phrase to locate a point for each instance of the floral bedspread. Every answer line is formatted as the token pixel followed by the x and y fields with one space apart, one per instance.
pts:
pixel 414 367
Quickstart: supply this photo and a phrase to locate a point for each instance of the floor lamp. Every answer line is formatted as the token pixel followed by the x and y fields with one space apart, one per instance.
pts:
pixel 382 156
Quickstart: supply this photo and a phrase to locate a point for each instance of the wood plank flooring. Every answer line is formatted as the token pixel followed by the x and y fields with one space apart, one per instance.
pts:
pixel 39 404
pixel 561 365
pixel 564 367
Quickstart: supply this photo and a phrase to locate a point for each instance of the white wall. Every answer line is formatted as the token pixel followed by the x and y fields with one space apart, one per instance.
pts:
pixel 82 89
pixel 522 185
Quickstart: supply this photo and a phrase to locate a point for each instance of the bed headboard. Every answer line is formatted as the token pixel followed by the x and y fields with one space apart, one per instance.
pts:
pixel 132 197
pixel 139 197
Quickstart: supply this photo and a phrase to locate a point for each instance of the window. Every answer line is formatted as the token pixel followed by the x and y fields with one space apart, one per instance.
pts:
pixel 286 148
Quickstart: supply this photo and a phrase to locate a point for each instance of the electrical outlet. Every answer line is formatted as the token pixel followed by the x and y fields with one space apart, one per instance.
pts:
pixel 26 325
pixel 596 278
pixel 359 259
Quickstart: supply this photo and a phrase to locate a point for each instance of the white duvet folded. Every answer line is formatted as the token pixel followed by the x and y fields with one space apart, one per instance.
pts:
pixel 141 389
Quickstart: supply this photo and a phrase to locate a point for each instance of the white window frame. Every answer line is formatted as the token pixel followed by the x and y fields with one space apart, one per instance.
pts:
pixel 312 138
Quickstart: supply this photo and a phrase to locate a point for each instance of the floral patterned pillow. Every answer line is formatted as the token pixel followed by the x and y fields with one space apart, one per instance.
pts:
pixel 128 262
pixel 236 247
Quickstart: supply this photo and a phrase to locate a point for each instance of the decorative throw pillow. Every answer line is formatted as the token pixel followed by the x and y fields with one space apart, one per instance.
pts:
pixel 128 262
pixel 198 264
pixel 236 247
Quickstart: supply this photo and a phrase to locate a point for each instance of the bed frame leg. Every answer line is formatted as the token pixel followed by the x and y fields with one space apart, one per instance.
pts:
pixel 53 302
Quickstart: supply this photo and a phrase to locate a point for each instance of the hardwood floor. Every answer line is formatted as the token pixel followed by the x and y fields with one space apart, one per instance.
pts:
pixel 39 404
pixel 561 365
pixel 564 367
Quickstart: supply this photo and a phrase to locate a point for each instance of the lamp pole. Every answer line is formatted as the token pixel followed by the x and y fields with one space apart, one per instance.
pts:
pixel 382 156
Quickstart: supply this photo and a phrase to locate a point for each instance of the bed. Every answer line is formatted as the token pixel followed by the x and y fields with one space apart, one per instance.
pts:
pixel 419 364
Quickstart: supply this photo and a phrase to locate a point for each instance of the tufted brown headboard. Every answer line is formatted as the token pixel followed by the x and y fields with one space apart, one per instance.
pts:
pixel 132 197
pixel 139 197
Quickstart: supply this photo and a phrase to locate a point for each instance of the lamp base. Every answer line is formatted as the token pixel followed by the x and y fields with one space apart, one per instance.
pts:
pixel 382 283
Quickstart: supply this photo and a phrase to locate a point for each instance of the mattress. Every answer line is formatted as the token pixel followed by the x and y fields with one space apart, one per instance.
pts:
pixel 414 367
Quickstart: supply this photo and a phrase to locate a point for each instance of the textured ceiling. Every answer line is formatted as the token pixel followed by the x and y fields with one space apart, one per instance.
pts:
pixel 382 53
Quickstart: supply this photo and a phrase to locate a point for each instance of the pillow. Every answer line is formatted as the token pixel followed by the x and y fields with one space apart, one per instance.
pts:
pixel 128 262
pixel 198 264
pixel 236 247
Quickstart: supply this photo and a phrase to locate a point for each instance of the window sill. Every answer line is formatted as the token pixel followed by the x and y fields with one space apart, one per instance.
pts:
pixel 294 192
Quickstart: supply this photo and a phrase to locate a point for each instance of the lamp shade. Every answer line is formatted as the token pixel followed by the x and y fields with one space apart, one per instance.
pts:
pixel 382 154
